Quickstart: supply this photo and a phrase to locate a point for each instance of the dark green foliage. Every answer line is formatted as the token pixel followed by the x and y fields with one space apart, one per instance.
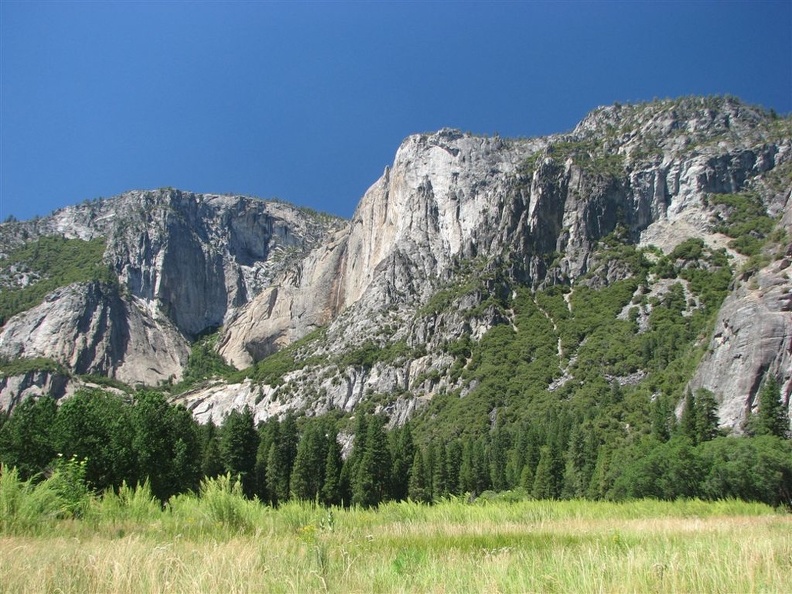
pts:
pixel 474 476
pixel 753 469
pixel 580 460
pixel 706 416
pixel 308 472
pixel 93 426
pixel 280 460
pixel 211 459
pixel 204 362
pixel 549 474
pixel 758 469
pixel 440 484
pixel 746 221
pixel 166 444
pixel 57 262
pixel 268 434
pixel 403 455
pixel 364 356
pixel 26 437
pixel 663 420
pixel 589 154
pixel 238 446
pixel 331 489
pixel 418 488
pixel 699 420
pixel 771 417
pixel 663 471
pixel 371 480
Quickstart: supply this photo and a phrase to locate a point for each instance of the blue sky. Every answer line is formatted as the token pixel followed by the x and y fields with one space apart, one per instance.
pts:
pixel 308 102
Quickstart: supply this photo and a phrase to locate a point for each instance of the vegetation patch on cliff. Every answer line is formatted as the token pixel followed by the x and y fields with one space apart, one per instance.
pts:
pixel 32 271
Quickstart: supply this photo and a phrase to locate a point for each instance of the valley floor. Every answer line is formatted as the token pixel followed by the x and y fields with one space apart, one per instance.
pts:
pixel 233 546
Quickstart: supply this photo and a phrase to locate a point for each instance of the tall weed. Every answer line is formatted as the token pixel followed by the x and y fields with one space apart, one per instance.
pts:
pixel 25 507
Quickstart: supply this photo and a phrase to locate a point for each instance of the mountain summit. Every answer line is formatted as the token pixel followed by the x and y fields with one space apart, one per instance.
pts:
pixel 639 256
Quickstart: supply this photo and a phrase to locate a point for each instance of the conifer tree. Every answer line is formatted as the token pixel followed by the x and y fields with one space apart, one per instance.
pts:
pixel 238 446
pixel 453 463
pixel 546 479
pixel 706 416
pixel 332 493
pixel 403 450
pixel 600 478
pixel 498 449
pixel 467 475
pixel 687 421
pixel 372 475
pixel 770 417
pixel 481 467
pixel 280 461
pixel 418 490
pixel 269 433
pixel 440 487
pixel 580 459
pixel 277 484
pixel 211 460
pixel 186 464
pixel 663 421
pixel 307 475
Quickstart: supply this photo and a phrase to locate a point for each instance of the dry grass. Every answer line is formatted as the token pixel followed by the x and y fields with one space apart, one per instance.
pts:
pixel 451 547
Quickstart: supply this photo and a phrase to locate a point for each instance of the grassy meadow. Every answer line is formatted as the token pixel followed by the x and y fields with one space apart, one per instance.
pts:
pixel 221 542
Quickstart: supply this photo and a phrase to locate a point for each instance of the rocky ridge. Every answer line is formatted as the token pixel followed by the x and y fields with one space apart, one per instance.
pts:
pixel 452 206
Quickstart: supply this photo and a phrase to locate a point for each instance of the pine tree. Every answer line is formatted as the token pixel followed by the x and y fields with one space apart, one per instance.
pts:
pixel 403 450
pixel 211 460
pixel 453 463
pixel 481 470
pixel 546 478
pixel 239 442
pixel 706 416
pixel 687 421
pixel 600 478
pixel 332 493
pixel 662 419
pixel 500 442
pixel 186 458
pixel 418 490
pixel 579 462
pixel 280 461
pixel 770 417
pixel 269 433
pixel 372 476
pixel 440 487
pixel 276 481
pixel 467 476
pixel 307 475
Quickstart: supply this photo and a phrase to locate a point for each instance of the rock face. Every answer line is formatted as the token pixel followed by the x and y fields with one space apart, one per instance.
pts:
pixel 534 210
pixel 91 329
pixel 752 338
pixel 185 262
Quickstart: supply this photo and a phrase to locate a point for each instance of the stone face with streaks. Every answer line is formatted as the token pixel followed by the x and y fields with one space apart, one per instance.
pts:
pixel 268 274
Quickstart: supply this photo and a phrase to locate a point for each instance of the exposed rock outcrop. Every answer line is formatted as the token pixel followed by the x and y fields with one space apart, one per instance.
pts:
pixel 91 329
pixel 529 212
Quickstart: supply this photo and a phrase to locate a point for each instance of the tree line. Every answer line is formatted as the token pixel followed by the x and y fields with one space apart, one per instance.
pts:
pixel 129 441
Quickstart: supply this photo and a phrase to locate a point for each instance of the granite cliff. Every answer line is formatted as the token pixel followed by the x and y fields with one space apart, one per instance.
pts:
pixel 433 256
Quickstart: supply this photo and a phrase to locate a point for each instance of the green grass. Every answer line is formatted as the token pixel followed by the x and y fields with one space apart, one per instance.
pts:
pixel 220 542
